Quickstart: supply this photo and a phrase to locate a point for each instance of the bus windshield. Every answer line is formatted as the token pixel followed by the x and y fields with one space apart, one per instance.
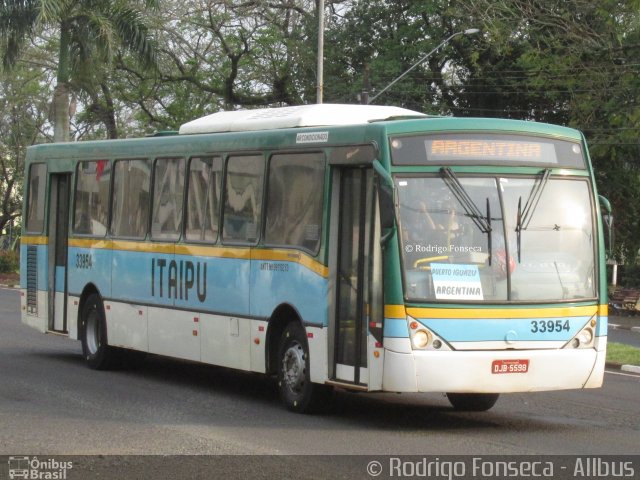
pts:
pixel 470 239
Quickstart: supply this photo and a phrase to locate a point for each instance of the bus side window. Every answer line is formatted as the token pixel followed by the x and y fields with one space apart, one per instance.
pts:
pixel 203 199
pixel 91 199
pixel 294 200
pixel 168 186
pixel 130 216
pixel 36 198
pixel 243 199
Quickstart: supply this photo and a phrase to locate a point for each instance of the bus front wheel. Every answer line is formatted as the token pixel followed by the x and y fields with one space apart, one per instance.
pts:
pixel 297 392
pixel 96 351
pixel 472 402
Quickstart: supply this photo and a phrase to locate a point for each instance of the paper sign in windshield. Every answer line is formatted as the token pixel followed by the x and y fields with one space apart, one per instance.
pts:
pixel 456 282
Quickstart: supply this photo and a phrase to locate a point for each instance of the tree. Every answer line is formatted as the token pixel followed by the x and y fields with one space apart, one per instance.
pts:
pixel 88 33
pixel 570 63
pixel 23 113
pixel 573 63
pixel 385 38
pixel 226 54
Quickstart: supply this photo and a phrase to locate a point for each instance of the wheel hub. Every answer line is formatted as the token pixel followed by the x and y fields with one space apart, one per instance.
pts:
pixel 293 367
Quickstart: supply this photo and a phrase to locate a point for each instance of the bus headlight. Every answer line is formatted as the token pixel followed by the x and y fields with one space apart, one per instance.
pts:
pixel 424 339
pixel 420 339
pixel 585 338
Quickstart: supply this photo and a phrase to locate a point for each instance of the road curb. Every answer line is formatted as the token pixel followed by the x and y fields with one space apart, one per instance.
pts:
pixel 623 367
pixel 631 369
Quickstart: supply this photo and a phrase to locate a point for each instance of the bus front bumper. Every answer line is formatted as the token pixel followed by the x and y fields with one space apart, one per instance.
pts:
pixel 481 371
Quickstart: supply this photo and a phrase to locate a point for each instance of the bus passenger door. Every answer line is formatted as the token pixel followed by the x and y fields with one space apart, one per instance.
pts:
pixel 352 219
pixel 59 211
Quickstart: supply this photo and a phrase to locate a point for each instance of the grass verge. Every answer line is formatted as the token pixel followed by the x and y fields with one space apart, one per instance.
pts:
pixel 624 354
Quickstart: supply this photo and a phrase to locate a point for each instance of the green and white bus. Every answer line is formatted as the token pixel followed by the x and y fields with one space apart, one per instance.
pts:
pixel 370 248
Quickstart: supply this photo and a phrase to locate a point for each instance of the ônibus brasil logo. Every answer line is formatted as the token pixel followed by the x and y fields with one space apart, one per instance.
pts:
pixel 35 469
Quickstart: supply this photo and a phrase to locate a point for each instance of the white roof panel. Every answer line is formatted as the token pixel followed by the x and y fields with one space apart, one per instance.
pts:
pixel 316 115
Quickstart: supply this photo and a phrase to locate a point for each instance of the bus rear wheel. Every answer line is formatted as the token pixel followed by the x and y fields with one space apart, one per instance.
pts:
pixel 97 353
pixel 297 392
pixel 472 402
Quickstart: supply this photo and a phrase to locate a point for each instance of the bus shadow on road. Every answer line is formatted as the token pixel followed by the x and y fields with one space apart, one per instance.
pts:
pixel 220 387
pixel 405 411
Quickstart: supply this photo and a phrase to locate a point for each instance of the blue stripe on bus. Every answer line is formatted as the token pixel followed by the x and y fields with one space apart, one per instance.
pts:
pixel 396 328
pixel 601 328
pixel 277 282
pixel 243 287
pixel 479 330
pixel 497 329
pixel 59 279
pixel 89 266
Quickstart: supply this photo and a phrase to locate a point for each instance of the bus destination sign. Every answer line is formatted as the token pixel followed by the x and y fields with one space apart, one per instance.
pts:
pixel 486 149
pixel 475 148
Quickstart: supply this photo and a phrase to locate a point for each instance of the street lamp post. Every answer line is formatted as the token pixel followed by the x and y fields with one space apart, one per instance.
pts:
pixel 469 31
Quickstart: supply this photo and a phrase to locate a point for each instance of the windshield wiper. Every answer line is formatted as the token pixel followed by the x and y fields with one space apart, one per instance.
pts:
pixel 525 214
pixel 471 209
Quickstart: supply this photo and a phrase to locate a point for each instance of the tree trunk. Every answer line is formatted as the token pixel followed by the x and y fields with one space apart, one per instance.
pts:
pixel 61 91
pixel 61 113
pixel 109 115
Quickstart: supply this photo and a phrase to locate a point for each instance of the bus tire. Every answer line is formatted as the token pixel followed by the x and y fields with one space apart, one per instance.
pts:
pixel 297 392
pixel 472 402
pixel 95 349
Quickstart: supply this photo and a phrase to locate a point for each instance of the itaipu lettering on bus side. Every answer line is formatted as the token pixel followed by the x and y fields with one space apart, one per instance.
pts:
pixel 175 279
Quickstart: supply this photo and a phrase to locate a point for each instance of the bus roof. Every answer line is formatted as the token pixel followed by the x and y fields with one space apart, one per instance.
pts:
pixel 316 115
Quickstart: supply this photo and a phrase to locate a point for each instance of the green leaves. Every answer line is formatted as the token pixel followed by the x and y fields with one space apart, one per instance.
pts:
pixel 573 63
pixel 132 31
pixel 145 64
pixel 90 32
pixel 17 21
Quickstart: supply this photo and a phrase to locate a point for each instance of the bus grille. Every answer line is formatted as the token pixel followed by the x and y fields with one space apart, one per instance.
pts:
pixel 32 279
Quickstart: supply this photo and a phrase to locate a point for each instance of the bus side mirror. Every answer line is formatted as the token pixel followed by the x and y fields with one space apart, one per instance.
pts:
pixel 607 221
pixel 608 236
pixel 385 199
pixel 386 203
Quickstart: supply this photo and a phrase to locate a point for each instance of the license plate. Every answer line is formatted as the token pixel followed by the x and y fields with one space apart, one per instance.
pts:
pixel 510 366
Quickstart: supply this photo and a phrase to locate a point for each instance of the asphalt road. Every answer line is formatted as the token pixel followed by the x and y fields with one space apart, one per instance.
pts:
pixel 626 337
pixel 52 404
pixel 625 329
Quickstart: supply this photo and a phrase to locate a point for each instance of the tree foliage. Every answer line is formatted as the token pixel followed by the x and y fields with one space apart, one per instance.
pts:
pixel 221 54
pixel 23 114
pixel 88 33
pixel 573 63
pixel 576 65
